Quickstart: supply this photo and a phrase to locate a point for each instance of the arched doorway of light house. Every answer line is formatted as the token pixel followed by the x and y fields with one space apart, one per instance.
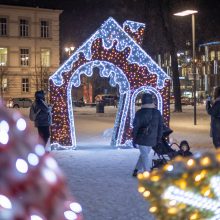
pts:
pixel 136 99
pixel 92 127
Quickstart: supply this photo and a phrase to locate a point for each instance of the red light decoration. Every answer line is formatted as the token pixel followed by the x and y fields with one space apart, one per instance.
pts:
pixel 32 186
pixel 138 76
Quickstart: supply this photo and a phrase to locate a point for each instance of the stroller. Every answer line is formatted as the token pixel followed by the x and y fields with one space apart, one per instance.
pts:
pixel 165 152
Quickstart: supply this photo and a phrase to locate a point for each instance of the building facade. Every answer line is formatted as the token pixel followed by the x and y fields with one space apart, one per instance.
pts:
pixel 29 49
pixel 207 68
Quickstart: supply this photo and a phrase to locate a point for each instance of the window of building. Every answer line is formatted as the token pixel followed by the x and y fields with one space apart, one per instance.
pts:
pixel 25 85
pixel 4 84
pixel 218 55
pixel 212 55
pixel 203 58
pixel 3 26
pixel 24 57
pixel 45 57
pixel 44 29
pixel 3 56
pixel 24 28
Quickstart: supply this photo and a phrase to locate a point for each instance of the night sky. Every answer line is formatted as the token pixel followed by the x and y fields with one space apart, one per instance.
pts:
pixel 81 18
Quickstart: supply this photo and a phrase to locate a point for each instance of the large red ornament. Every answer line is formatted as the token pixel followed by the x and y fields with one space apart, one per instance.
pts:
pixel 32 186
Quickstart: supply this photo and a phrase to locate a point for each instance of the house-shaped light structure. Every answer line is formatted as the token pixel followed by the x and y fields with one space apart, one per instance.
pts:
pixel 117 53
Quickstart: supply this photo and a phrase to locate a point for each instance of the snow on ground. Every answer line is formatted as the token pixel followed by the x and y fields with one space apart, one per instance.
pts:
pixel 99 176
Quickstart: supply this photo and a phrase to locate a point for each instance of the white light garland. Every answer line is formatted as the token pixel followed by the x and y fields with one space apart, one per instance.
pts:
pixel 146 89
pixel 116 76
pixel 134 26
pixel 195 200
pixel 109 33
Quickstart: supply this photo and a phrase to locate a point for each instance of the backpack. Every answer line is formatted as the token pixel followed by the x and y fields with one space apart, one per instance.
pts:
pixel 32 113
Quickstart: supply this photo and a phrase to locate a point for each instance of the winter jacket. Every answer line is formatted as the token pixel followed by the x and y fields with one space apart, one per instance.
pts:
pixel 43 118
pixel 144 117
pixel 214 111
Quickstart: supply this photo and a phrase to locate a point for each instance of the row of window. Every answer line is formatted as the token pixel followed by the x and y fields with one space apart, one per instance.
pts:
pixel 25 57
pixel 25 84
pixel 24 28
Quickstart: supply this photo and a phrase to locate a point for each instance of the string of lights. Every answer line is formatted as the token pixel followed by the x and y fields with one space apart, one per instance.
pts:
pixel 185 188
pixel 119 57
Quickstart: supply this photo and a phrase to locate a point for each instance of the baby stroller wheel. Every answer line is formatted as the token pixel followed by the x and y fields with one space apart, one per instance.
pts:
pixel 157 163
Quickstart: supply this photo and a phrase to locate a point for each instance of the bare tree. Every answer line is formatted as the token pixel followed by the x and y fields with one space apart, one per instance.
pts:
pixel 42 78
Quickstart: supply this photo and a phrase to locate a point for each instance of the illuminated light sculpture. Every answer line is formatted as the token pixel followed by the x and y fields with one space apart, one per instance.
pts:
pixel 185 188
pixel 119 57
pixel 32 186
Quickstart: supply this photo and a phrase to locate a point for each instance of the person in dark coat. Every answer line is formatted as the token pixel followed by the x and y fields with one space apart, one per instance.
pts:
pixel 43 117
pixel 184 150
pixel 214 111
pixel 147 131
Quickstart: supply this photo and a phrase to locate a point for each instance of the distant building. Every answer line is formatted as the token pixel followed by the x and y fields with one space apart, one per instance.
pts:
pixel 210 64
pixel 29 49
pixel 207 68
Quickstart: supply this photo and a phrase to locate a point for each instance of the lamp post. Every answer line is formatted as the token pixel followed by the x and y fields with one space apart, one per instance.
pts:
pixel 185 13
pixel 69 50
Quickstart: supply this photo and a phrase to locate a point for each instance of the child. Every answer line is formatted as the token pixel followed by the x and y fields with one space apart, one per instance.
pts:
pixel 184 149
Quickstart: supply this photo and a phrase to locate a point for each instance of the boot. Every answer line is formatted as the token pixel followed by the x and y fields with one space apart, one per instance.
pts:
pixel 135 172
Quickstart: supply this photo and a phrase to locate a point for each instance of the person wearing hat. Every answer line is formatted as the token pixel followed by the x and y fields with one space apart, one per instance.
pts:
pixel 147 131
pixel 42 119
pixel 213 109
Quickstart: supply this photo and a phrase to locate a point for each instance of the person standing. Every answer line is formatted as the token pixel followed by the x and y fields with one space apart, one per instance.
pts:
pixel 214 111
pixel 43 118
pixel 147 131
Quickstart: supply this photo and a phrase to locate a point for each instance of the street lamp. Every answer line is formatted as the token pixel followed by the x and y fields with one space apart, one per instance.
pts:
pixel 185 13
pixel 69 50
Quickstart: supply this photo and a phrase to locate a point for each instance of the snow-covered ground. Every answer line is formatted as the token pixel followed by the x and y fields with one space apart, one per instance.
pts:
pixel 99 176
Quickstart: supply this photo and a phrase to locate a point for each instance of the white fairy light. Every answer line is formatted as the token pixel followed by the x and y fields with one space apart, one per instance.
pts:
pixel 76 207
pixel 5 202
pixel 36 217
pixel 4 129
pixel 33 159
pixel 170 168
pixel 21 124
pixel 39 150
pixel 4 126
pixel 49 175
pixel 113 29
pixel 21 165
pixel 195 200
pixel 109 33
pixel 51 163
pixel 4 138
pixel 134 26
pixel 70 215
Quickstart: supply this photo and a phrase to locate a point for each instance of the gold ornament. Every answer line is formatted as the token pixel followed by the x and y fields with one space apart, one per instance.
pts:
pixel 184 189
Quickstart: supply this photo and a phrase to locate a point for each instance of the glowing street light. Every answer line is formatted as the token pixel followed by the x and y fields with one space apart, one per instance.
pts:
pixel 69 50
pixel 186 13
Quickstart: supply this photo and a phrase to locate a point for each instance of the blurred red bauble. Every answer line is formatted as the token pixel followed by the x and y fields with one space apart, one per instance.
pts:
pixel 32 186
